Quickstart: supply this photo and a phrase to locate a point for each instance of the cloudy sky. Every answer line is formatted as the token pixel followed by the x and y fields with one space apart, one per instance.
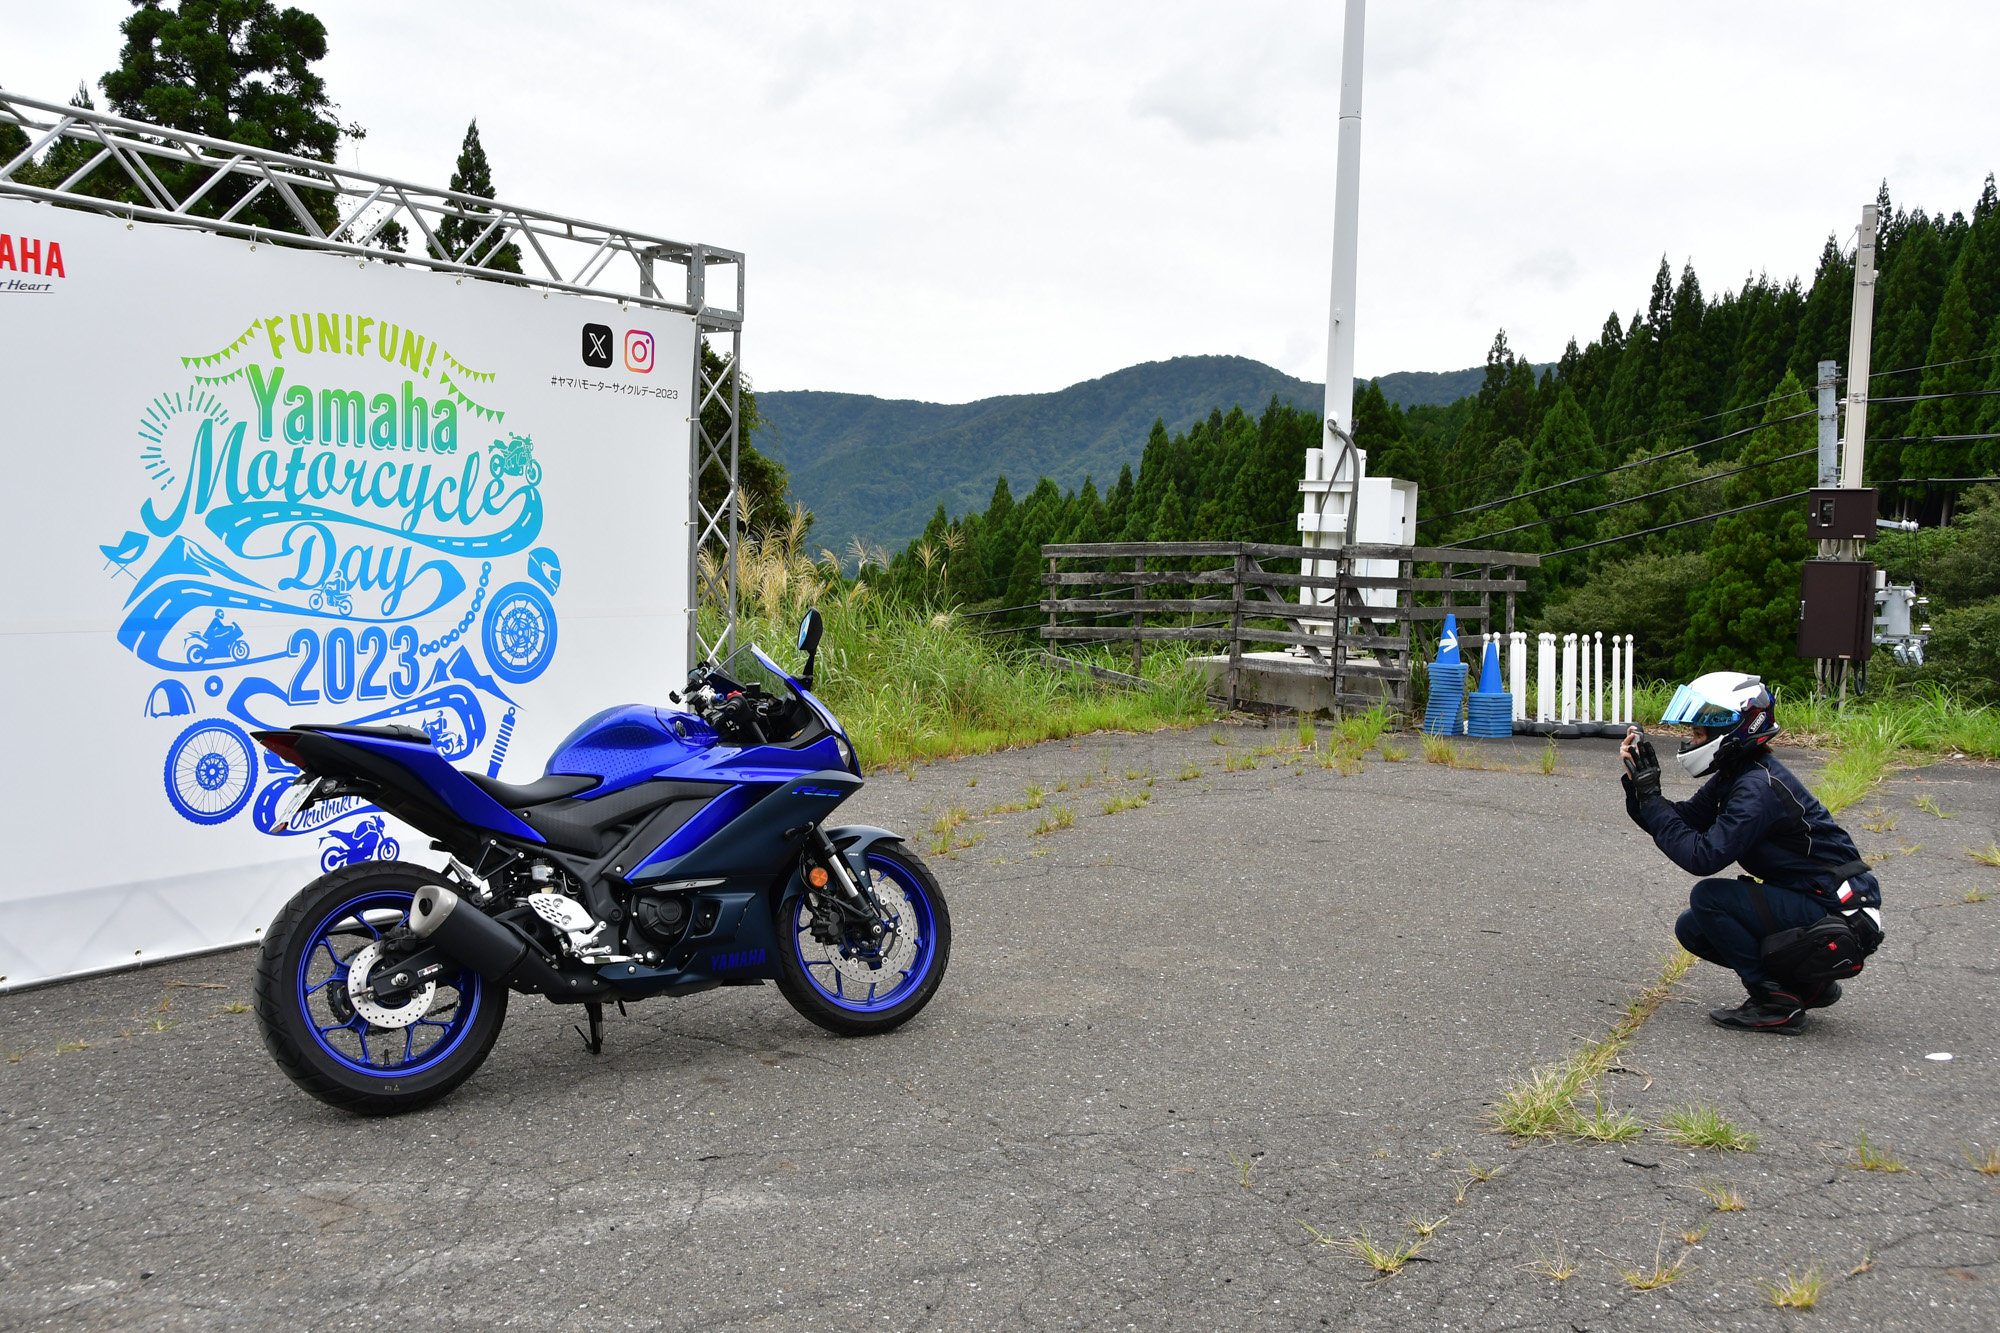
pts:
pixel 947 201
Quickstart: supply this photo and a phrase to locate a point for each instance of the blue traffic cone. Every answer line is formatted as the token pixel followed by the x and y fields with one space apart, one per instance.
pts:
pixel 1489 670
pixel 1448 643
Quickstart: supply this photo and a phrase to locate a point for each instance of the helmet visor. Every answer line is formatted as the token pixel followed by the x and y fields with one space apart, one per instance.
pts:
pixel 1690 707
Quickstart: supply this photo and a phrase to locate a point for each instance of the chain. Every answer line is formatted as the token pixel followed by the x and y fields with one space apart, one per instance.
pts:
pixel 436 645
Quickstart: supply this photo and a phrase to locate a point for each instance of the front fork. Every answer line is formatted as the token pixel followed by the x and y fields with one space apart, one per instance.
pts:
pixel 855 899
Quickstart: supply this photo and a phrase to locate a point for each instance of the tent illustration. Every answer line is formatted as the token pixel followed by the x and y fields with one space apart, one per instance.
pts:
pixel 169 698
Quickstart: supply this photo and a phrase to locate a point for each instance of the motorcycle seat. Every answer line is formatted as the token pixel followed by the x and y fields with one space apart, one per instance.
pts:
pixel 549 787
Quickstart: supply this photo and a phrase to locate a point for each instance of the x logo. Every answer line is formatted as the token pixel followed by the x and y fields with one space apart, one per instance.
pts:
pixel 596 345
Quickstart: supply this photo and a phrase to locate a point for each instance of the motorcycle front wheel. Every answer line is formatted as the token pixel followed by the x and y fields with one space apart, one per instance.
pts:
pixel 351 1052
pixel 858 992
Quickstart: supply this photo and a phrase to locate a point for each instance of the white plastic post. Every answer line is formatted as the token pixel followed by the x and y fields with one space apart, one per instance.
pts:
pixel 1517 673
pixel 1569 678
pixel 1630 712
pixel 1597 713
pixel 1613 713
pixel 1545 677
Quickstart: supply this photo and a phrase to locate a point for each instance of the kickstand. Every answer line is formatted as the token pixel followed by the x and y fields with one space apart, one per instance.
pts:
pixel 593 1040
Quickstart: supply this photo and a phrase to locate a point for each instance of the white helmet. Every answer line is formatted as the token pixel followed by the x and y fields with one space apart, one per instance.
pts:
pixel 1736 707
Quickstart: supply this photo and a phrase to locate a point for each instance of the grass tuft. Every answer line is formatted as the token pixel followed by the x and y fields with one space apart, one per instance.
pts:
pixel 1660 1274
pixel 1986 1161
pixel 1698 1125
pixel 1556 1265
pixel 1118 803
pixel 1693 1235
pixel 1549 758
pixel 1189 771
pixel 1394 754
pixel 1542 1104
pixel 1386 1262
pixel 1797 1291
pixel 1872 1156
pixel 1722 1194
pixel 1990 856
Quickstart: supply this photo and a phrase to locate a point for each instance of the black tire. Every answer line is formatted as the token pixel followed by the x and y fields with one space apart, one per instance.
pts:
pixel 811 999
pixel 289 1031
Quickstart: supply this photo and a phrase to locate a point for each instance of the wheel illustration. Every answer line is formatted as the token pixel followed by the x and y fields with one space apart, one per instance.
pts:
pixel 211 772
pixel 533 472
pixel 858 988
pixel 240 650
pixel 368 1053
pixel 317 601
pixel 197 654
pixel 519 633
pixel 332 859
pixel 388 849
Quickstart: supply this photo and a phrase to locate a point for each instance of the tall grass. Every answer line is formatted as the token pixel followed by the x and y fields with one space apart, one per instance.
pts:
pixel 913 683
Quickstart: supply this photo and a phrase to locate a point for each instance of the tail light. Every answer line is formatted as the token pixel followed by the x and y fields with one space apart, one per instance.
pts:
pixel 284 744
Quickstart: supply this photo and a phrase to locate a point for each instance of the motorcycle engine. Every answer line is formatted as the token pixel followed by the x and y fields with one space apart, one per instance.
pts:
pixel 661 919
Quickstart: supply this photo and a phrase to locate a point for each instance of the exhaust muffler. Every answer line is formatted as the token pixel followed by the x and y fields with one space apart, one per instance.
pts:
pixel 493 949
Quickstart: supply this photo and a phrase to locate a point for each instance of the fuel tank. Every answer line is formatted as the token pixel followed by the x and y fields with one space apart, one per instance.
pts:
pixel 630 743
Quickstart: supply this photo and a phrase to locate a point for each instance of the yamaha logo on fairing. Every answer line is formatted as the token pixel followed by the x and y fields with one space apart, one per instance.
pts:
pixel 723 962
pixel 817 791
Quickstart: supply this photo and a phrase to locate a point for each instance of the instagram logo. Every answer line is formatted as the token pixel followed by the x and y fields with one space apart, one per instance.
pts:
pixel 639 351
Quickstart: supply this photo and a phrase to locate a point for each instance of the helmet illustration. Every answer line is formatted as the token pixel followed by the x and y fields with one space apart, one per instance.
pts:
pixel 1737 710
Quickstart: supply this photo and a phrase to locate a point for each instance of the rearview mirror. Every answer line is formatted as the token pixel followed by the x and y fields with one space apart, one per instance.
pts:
pixel 810 630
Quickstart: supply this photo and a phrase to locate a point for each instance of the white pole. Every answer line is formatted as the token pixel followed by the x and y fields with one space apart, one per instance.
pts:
pixel 1544 677
pixel 1597 713
pixel 1569 678
pixel 1630 712
pixel 1517 660
pixel 1611 710
pixel 1346 221
pixel 1861 338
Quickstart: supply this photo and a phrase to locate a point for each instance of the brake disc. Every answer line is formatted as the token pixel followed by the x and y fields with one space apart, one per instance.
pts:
pixel 403 1015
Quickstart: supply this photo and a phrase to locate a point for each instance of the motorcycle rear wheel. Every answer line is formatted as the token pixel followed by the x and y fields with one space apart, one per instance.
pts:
pixel 842 994
pixel 311 1025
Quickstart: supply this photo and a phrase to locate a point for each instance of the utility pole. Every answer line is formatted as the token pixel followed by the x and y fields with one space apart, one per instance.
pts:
pixel 1846 576
pixel 1860 338
pixel 1346 253
pixel 1335 489
pixel 1829 426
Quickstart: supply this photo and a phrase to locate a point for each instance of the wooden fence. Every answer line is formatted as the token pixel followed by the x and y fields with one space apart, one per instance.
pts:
pixel 1155 591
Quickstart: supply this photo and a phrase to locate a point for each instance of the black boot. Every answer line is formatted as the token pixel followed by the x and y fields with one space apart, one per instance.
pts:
pixel 1820 996
pixel 1767 1010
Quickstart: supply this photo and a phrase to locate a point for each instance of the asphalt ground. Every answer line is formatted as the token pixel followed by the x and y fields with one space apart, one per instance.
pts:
pixel 1172 1039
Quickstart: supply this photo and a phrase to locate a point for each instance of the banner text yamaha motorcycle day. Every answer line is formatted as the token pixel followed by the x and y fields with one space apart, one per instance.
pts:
pixel 253 487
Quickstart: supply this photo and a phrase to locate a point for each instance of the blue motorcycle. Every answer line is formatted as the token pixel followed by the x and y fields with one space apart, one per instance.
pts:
pixel 663 852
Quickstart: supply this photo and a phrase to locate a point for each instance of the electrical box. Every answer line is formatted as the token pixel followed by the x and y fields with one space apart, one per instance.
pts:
pixel 1840 515
pixel 1837 606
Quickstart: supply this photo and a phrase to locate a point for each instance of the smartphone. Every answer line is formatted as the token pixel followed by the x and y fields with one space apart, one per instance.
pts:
pixel 1631 767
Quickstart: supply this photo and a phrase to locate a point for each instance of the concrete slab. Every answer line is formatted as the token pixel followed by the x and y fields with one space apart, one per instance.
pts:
pixel 1171 1038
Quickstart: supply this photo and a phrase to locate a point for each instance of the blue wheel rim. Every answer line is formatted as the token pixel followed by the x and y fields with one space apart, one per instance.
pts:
pixel 347 1038
pixel 856 988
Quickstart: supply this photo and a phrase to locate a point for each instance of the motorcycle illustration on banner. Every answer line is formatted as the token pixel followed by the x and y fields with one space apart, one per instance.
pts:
pixel 318 548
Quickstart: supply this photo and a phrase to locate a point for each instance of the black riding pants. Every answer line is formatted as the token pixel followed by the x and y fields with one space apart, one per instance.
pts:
pixel 1721 924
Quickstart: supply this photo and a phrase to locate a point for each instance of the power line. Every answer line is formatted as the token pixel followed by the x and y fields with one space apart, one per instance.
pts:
pixel 1622 467
pixel 1923 397
pixel 1614 504
pixel 1665 527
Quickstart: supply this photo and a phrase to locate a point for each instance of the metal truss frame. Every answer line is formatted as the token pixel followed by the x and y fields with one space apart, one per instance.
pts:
pixel 559 253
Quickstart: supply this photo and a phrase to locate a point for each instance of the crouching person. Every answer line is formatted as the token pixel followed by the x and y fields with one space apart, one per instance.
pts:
pixel 1808 912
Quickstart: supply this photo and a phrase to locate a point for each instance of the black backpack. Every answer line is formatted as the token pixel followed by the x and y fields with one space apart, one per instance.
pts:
pixel 1832 948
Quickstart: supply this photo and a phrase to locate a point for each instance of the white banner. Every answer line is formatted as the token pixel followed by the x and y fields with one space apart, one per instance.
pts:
pixel 256 486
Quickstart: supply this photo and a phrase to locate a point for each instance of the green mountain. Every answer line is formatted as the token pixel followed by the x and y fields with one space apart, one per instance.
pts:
pixel 878 468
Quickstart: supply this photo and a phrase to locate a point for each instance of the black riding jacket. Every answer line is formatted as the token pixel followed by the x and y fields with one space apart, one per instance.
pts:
pixel 1761 817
